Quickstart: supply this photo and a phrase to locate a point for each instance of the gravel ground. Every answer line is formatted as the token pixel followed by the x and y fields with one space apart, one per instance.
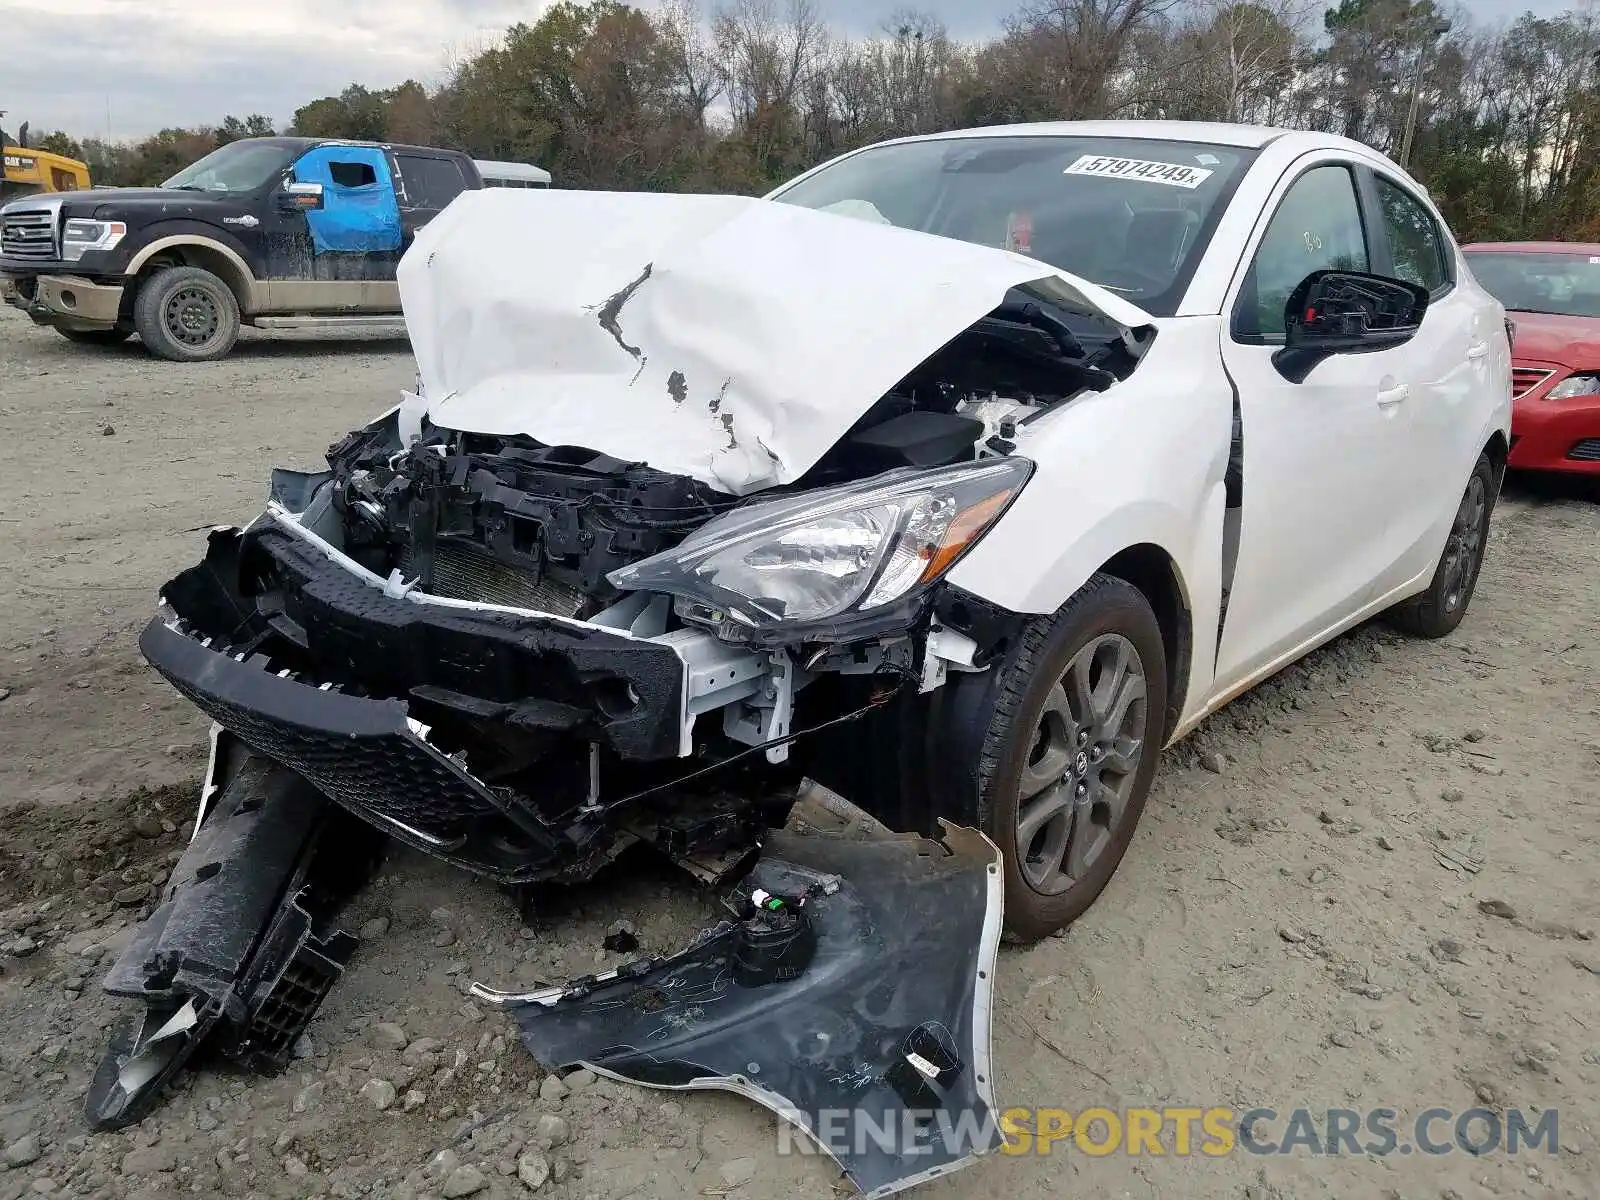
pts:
pixel 1288 928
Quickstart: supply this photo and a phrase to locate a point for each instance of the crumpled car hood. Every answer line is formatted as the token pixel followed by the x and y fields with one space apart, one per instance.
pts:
pixel 729 339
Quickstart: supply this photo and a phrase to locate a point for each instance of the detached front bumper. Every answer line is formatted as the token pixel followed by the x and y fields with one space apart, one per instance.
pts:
pixel 365 691
pixel 65 301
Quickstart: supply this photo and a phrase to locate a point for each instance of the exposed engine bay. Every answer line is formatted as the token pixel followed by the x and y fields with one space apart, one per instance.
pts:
pixel 494 600
pixel 527 658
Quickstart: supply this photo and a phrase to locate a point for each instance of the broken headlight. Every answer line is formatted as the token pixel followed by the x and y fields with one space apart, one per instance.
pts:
pixel 837 550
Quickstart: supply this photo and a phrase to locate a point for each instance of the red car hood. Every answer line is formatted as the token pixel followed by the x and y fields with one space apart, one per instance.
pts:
pixel 1572 342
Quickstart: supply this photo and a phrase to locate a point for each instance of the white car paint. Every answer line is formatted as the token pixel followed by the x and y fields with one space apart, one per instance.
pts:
pixel 1351 479
pixel 712 366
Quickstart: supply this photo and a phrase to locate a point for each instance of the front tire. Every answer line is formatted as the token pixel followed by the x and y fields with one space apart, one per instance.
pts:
pixel 1438 610
pixel 1071 750
pixel 96 337
pixel 186 314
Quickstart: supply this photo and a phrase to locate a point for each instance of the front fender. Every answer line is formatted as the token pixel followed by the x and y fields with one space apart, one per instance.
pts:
pixel 1142 463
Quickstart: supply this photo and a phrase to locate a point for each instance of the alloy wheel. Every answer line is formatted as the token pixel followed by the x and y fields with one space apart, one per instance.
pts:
pixel 1080 771
pixel 1465 544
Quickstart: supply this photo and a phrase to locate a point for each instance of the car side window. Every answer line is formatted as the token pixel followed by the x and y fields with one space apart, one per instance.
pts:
pixel 1317 227
pixel 430 183
pixel 352 174
pixel 1415 243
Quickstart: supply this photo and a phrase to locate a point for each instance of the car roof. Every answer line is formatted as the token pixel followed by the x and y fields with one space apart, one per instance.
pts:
pixel 1588 248
pixel 494 168
pixel 1217 133
pixel 307 143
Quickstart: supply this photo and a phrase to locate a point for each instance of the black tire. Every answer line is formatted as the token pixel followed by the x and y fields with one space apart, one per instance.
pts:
pixel 96 337
pixel 1438 610
pixel 186 314
pixel 1102 619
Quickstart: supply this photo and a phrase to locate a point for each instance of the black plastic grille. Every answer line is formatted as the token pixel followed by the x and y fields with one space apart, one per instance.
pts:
pixel 394 775
pixel 1587 450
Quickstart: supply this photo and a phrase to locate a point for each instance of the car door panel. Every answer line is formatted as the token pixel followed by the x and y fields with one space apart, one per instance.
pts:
pixel 1320 456
pixel 1450 356
pixel 326 260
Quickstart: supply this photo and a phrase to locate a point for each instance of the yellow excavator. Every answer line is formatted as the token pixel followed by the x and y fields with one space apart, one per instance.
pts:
pixel 28 170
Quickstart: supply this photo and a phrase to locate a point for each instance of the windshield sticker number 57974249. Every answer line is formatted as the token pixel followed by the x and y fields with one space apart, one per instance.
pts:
pixel 1141 169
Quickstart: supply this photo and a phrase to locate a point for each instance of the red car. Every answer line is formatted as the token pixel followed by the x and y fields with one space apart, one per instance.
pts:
pixel 1551 292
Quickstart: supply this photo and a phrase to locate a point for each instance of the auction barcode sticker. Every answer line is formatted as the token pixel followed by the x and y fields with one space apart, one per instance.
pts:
pixel 1142 169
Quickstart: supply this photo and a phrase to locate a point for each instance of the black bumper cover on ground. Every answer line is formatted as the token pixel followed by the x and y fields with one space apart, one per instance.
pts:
pixel 879 1049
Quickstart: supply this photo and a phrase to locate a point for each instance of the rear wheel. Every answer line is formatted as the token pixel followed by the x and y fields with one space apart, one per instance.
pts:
pixel 1438 610
pixel 1071 752
pixel 186 314
pixel 96 337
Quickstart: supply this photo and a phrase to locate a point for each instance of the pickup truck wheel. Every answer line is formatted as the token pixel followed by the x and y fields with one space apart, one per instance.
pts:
pixel 96 337
pixel 1437 611
pixel 1071 751
pixel 186 314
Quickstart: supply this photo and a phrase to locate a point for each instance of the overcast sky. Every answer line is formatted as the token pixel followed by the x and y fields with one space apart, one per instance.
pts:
pixel 126 68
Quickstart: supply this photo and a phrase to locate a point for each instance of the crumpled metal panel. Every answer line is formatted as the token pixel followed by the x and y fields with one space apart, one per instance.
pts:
pixel 879 1047
pixel 725 338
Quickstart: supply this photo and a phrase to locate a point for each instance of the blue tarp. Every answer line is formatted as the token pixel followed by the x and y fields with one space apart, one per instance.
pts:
pixel 363 219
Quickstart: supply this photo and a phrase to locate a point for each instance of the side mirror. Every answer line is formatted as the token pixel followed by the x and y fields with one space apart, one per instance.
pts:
pixel 299 197
pixel 1346 312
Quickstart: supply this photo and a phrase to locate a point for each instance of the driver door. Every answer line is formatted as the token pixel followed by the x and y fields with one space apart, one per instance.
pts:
pixel 1324 459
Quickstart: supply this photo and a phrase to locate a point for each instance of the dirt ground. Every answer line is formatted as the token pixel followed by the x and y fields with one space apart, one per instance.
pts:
pixel 1372 883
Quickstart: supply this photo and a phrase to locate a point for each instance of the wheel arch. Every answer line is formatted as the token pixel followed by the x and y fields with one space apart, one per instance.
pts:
pixel 1157 576
pixel 1498 450
pixel 191 250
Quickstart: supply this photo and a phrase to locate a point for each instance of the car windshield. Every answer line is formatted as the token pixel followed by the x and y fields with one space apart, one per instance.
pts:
pixel 1564 283
pixel 236 167
pixel 1129 214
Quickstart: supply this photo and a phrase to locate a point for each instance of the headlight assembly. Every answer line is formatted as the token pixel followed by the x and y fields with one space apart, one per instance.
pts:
pixel 79 236
pixel 831 552
pixel 1575 385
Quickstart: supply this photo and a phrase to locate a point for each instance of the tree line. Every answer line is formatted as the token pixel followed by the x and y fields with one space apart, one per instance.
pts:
pixel 1501 124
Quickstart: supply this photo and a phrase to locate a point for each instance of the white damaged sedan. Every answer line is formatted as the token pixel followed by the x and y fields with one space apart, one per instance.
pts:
pixel 961 474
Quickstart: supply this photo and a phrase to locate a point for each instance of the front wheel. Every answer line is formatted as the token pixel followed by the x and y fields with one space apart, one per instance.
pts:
pixel 186 314
pixel 1438 610
pixel 96 337
pixel 1071 750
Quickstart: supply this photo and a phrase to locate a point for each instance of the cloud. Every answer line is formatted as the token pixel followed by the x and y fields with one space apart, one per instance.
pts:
pixel 156 63
pixel 126 68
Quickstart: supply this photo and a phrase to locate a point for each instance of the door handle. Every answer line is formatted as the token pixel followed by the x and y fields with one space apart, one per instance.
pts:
pixel 1389 397
pixel 1477 350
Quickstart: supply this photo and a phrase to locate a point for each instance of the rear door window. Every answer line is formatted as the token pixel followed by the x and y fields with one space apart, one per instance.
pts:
pixel 1415 242
pixel 430 183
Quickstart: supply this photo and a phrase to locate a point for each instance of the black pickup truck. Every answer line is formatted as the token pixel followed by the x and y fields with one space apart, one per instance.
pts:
pixel 278 232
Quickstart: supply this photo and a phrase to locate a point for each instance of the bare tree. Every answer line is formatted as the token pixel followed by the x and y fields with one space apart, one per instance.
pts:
pixel 1074 49
pixel 768 58
pixel 692 60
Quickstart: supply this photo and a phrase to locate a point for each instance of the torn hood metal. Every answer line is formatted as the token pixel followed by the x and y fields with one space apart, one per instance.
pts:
pixel 729 339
